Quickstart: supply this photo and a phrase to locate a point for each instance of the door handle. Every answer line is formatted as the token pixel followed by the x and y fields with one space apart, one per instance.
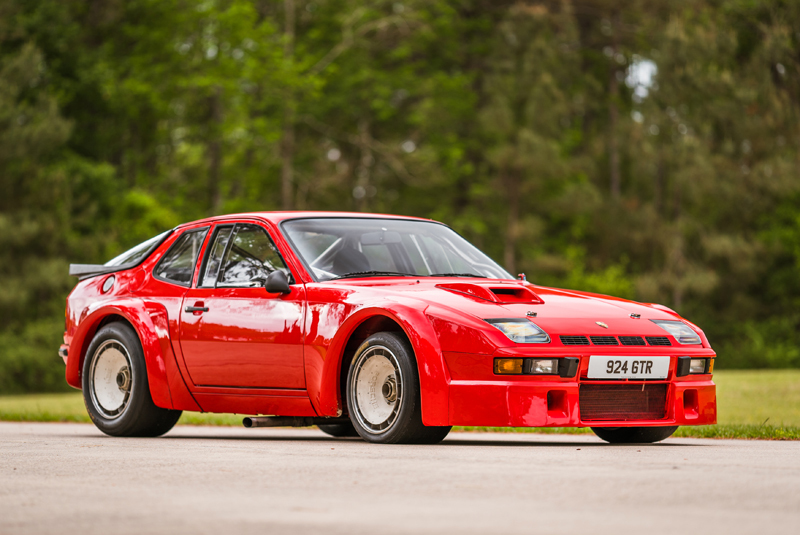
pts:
pixel 196 309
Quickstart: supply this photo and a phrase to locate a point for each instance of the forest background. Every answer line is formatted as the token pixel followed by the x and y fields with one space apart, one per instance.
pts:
pixel 646 149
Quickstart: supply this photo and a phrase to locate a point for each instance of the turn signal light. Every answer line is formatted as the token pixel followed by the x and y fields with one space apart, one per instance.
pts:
pixel 566 367
pixel 508 366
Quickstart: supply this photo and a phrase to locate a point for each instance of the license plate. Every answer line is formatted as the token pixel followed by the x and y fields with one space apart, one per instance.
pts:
pixel 602 367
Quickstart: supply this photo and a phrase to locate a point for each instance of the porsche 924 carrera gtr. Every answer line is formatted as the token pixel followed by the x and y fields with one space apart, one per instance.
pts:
pixel 389 328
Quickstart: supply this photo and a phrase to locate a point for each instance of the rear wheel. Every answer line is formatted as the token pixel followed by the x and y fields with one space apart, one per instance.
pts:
pixel 634 435
pixel 383 393
pixel 115 388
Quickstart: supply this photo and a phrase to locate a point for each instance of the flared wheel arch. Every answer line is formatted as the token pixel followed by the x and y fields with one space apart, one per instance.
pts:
pixel 135 315
pixel 365 329
pixel 90 328
pixel 412 324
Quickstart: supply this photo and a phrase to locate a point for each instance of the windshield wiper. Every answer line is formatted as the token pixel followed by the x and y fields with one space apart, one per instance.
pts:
pixel 456 275
pixel 373 274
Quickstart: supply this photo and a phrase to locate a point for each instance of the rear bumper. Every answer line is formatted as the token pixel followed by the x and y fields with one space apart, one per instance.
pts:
pixel 557 404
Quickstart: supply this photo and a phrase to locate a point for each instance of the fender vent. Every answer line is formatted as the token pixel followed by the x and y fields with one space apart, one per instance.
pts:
pixel 574 340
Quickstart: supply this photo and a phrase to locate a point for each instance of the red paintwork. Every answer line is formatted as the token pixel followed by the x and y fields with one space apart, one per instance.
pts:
pixel 247 338
pixel 259 353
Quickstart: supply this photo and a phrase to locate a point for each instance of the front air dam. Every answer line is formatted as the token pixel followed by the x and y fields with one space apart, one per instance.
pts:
pixel 557 404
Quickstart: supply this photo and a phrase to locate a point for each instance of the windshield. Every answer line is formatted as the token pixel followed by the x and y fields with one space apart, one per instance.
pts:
pixel 351 247
pixel 139 252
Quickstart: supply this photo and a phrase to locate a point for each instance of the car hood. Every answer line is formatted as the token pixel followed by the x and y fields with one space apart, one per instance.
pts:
pixel 555 310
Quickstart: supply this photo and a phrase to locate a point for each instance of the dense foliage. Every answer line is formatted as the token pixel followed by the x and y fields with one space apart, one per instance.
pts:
pixel 647 149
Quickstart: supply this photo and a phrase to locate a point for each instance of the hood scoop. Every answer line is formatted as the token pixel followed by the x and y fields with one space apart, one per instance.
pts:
pixel 500 294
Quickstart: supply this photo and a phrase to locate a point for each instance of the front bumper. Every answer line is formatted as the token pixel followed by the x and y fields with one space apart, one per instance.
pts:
pixel 557 404
pixel 477 397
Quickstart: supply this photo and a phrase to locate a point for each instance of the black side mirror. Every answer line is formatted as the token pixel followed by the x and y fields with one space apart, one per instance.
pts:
pixel 277 283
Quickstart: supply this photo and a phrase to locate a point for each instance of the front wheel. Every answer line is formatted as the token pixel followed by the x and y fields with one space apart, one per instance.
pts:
pixel 115 388
pixel 383 393
pixel 634 435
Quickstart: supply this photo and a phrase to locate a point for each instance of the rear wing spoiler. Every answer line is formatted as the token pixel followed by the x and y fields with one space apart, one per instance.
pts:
pixel 86 271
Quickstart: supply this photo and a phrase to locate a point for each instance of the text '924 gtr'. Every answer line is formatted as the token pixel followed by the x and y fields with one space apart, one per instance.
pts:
pixel 391 328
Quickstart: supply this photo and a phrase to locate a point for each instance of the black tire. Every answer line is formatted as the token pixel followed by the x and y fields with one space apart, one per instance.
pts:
pixel 339 430
pixel 137 415
pixel 404 424
pixel 634 435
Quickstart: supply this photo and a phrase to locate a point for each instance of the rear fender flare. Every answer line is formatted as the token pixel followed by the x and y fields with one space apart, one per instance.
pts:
pixel 151 337
pixel 433 377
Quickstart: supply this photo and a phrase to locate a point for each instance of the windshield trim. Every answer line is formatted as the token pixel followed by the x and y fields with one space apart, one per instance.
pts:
pixel 310 271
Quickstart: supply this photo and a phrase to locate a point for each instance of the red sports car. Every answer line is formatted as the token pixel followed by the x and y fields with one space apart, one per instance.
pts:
pixel 391 328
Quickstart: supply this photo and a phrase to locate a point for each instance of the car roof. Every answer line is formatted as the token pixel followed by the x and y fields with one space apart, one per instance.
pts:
pixel 277 217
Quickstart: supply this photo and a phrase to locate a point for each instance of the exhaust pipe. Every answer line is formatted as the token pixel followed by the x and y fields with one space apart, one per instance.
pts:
pixel 289 421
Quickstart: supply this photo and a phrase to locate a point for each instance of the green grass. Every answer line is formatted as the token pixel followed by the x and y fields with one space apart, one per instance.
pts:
pixel 43 408
pixel 69 408
pixel 758 396
pixel 761 404
pixel 763 432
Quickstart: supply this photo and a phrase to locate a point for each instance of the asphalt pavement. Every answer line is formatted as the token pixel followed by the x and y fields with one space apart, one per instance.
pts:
pixel 70 478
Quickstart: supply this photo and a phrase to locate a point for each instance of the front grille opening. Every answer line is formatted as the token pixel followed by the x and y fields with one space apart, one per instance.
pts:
pixel 557 403
pixel 604 340
pixel 658 341
pixel 691 403
pixel 574 340
pixel 631 340
pixel 623 402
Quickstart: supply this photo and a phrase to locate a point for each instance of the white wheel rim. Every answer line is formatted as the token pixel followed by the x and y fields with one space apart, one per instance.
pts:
pixel 377 389
pixel 111 380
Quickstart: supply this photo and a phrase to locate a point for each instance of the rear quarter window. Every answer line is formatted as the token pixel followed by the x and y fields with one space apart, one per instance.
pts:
pixel 177 264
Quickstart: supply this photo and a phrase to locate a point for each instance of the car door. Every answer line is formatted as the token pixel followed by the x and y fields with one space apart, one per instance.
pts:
pixel 233 333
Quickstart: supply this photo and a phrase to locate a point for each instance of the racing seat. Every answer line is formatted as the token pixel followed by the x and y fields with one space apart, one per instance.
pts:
pixel 349 260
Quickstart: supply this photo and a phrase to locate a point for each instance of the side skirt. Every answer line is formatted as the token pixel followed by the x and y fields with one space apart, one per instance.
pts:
pixel 283 405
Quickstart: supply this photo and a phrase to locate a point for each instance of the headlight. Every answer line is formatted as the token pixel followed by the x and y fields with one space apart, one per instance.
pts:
pixel 697 365
pixel 544 366
pixel 682 332
pixel 521 331
pixel 694 366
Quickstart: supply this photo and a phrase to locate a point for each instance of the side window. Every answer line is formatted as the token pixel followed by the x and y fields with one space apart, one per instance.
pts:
pixel 177 265
pixel 208 278
pixel 251 257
